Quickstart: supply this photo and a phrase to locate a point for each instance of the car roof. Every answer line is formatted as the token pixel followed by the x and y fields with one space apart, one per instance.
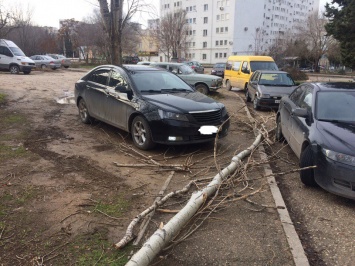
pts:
pixel 272 71
pixel 331 86
pixel 168 63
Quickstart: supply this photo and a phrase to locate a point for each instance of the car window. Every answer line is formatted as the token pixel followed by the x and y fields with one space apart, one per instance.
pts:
pixel 306 98
pixel 335 105
pixel 184 69
pixel 236 65
pixel 229 65
pixel 262 65
pixel 5 51
pixel 254 77
pixel 116 79
pixel 276 79
pixel 245 66
pixel 157 81
pixel 100 76
pixel 296 94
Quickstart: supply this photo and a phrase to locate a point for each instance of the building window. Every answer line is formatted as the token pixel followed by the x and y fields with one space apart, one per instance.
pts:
pixel 225 42
pixel 194 32
pixel 218 17
pixel 204 32
pixel 227 16
pixel 187 9
pixel 217 43
pixel 227 2
pixel 205 20
pixel 225 55
pixel 222 17
pixel 217 30
pixel 205 7
pixel 194 20
pixel 222 29
pixel 220 42
pixel 193 55
pixel 226 29
pixel 220 55
pixel 204 44
pixel 216 55
pixel 204 56
pixel 193 44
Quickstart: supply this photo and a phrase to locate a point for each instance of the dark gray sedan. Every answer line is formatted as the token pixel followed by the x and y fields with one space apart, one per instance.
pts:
pixel 318 122
pixel 154 105
pixel 266 87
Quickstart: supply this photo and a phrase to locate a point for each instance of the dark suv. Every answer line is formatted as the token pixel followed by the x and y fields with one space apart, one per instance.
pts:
pixel 130 60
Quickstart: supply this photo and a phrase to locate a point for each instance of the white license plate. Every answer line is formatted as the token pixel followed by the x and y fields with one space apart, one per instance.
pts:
pixel 277 101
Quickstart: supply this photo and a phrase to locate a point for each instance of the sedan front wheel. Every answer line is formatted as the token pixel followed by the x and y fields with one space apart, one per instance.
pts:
pixel 141 134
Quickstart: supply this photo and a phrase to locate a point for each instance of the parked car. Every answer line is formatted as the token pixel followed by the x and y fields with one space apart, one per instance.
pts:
pixel 318 122
pixel 218 69
pixel 204 83
pixel 147 63
pixel 65 62
pixel 196 66
pixel 130 60
pixel 154 105
pixel 239 69
pixel 45 61
pixel 13 59
pixel 266 87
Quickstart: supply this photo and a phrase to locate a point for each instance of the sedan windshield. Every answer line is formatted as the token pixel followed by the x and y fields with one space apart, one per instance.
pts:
pixel 159 82
pixel 276 79
pixel 335 106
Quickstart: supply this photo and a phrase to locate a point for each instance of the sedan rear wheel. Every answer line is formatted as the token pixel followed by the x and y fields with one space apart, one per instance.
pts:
pixel 83 112
pixel 141 134
pixel 43 66
pixel 306 160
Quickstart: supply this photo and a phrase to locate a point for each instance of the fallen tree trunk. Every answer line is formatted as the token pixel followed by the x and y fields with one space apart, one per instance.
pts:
pixel 164 235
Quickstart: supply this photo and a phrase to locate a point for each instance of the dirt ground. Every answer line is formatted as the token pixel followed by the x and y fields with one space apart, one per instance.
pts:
pixel 69 190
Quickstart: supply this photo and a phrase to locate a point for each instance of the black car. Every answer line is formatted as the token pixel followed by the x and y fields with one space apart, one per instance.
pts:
pixel 130 59
pixel 218 69
pixel 318 122
pixel 154 105
pixel 266 88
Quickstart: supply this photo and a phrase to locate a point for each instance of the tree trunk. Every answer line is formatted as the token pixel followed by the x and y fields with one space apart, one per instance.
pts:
pixel 164 235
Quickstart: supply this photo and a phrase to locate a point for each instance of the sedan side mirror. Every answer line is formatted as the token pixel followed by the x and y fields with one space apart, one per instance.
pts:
pixel 123 89
pixel 300 112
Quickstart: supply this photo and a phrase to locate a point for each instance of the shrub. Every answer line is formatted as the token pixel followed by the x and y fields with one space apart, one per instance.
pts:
pixel 296 74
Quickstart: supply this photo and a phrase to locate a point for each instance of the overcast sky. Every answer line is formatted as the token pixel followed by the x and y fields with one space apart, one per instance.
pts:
pixel 49 12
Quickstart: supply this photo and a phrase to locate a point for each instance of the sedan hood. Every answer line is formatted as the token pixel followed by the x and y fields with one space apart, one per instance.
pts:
pixel 339 136
pixel 277 90
pixel 183 102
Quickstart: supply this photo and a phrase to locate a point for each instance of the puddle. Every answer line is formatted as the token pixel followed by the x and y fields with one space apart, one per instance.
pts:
pixel 67 98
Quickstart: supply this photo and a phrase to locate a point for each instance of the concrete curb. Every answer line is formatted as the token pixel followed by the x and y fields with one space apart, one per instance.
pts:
pixel 293 240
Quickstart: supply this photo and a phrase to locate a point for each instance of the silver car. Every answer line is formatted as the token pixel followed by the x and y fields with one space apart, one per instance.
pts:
pixel 66 62
pixel 44 61
pixel 203 83
pixel 266 88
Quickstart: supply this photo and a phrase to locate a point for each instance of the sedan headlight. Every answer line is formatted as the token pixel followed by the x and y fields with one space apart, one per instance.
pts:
pixel 174 116
pixel 339 157
pixel 265 96
pixel 224 111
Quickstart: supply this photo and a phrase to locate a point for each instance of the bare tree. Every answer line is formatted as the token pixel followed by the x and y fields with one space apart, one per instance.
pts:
pixel 115 21
pixel 314 35
pixel 172 34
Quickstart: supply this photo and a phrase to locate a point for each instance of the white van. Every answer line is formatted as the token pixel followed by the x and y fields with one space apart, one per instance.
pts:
pixel 13 59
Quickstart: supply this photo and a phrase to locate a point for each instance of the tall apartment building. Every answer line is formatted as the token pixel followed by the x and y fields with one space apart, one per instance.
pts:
pixel 220 28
